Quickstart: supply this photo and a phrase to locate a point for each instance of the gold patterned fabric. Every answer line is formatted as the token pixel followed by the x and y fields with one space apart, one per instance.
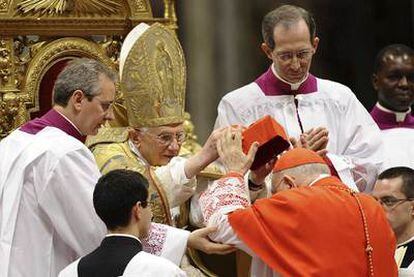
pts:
pixel 116 154
pixel 153 77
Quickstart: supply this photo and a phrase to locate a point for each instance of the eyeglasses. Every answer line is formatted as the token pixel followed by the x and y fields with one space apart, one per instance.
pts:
pixel 106 106
pixel 302 55
pixel 144 203
pixel 167 138
pixel 391 202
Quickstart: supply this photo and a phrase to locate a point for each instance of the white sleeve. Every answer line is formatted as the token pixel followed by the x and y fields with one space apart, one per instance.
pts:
pixel 222 197
pixel 67 201
pixel 174 181
pixel 71 270
pixel 226 115
pixel 362 156
pixel 167 242
pixel 147 265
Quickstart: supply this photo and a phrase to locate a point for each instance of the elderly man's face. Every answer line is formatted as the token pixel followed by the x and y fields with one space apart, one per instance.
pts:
pixel 398 208
pixel 292 55
pixel 395 82
pixel 158 145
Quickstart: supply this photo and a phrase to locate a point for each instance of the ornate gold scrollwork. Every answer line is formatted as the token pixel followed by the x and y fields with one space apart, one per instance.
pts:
pixel 52 52
pixel 5 63
pixel 100 7
pixel 12 114
pixel 3 5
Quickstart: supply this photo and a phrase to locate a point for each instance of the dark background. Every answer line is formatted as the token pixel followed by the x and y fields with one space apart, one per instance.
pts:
pixel 221 41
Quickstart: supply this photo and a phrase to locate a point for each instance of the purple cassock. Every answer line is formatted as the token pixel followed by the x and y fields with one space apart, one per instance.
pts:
pixel 53 119
pixel 387 119
pixel 271 85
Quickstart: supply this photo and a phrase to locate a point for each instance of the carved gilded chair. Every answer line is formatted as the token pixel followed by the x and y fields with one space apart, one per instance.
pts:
pixel 38 37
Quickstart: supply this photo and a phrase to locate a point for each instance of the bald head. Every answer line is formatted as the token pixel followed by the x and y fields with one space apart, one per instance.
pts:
pixel 297 167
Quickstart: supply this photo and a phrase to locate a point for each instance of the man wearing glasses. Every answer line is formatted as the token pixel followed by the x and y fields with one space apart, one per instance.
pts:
pixel 151 143
pixel 395 191
pixel 300 102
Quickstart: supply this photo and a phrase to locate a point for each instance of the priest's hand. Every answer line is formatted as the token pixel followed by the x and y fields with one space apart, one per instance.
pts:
pixel 229 148
pixel 199 240
pixel 316 139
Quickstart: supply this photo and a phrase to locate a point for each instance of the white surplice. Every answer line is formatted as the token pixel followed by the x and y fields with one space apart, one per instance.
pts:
pixel 162 252
pixel 355 145
pixel 398 147
pixel 47 217
pixel 221 198
pixel 142 264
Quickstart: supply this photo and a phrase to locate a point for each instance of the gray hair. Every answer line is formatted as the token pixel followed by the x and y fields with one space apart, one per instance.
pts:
pixel 286 15
pixel 304 172
pixel 80 74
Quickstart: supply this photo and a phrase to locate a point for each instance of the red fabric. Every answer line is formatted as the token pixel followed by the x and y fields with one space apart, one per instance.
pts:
pixel 331 167
pixel 317 231
pixel 296 157
pixel 271 137
pixel 46 87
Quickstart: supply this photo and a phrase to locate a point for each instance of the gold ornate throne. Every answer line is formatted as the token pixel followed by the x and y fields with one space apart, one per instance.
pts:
pixel 38 37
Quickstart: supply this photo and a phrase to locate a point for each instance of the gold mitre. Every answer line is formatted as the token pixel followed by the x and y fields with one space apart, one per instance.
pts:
pixel 153 75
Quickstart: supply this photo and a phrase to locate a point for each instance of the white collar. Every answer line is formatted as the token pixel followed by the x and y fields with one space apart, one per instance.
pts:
pixel 399 116
pixel 135 150
pixel 405 242
pixel 321 176
pixel 293 86
pixel 77 129
pixel 122 235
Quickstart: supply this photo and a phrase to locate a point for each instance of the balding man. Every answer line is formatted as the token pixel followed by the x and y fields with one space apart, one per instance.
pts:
pixel 312 225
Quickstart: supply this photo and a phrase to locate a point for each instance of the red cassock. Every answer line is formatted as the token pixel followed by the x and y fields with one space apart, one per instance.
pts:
pixel 318 231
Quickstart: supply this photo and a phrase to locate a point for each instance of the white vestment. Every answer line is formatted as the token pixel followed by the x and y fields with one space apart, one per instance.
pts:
pixel 354 139
pixel 398 147
pixel 162 252
pixel 47 219
pixel 142 264
pixel 219 200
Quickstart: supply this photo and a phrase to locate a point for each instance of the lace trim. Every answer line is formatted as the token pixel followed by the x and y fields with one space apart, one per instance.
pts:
pixel 225 193
pixel 154 242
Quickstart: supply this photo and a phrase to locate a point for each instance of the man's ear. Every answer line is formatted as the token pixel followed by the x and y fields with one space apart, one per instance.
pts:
pixel 136 211
pixel 290 181
pixel 267 50
pixel 135 135
pixel 77 98
pixel 315 43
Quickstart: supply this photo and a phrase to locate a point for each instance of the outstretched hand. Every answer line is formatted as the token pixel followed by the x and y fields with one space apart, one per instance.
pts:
pixel 199 240
pixel 229 148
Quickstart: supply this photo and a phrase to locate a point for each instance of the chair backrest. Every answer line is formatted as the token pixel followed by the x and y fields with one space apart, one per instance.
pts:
pixel 39 37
